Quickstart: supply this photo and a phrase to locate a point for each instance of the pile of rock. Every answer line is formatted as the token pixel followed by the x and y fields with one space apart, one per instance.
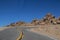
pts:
pixel 48 19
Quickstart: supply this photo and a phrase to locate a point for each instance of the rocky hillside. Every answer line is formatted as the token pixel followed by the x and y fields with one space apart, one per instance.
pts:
pixel 47 19
pixel 49 25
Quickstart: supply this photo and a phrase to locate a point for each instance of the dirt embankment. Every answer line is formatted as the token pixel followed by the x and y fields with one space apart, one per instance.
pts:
pixel 52 31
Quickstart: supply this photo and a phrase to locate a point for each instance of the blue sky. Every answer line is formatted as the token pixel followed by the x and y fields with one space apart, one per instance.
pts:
pixel 26 10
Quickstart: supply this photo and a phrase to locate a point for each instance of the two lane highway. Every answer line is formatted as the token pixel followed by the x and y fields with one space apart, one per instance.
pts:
pixel 13 33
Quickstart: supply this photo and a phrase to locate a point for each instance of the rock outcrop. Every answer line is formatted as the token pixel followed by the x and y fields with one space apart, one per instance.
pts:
pixel 47 19
pixel 58 20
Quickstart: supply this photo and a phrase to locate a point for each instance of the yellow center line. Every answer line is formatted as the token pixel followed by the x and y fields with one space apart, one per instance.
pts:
pixel 20 36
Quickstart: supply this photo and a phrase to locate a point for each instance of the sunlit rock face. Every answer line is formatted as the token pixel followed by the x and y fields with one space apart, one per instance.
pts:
pixel 48 16
pixel 46 20
pixel 58 20
pixel 50 19
pixel 20 23
pixel 35 22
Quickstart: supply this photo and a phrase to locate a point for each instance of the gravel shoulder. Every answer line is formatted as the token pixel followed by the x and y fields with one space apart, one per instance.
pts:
pixel 3 28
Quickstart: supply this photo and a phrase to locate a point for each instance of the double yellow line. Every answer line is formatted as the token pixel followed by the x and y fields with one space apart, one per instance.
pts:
pixel 21 35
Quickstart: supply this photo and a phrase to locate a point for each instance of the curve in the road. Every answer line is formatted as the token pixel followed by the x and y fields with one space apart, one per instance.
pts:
pixel 12 34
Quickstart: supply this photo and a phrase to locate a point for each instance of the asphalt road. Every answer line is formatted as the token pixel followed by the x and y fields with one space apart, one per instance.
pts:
pixel 13 33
